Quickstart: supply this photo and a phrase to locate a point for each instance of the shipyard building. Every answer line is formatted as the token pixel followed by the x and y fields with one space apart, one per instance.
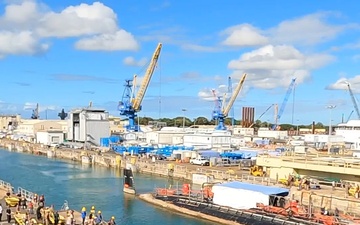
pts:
pixel 88 125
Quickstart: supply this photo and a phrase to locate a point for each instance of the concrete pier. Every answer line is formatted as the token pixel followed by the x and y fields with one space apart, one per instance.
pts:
pixel 7 187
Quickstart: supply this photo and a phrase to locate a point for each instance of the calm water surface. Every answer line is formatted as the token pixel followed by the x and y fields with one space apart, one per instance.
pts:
pixel 83 185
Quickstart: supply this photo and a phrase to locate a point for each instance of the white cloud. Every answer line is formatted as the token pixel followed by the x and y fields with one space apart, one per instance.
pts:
pixel 28 23
pixel 244 35
pixel 207 93
pixel 24 42
pixel 131 61
pixel 121 40
pixel 307 30
pixel 341 84
pixel 199 48
pixel 79 20
pixel 274 66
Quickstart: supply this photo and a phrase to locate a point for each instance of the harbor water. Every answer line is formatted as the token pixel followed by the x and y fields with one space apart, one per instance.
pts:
pixel 84 185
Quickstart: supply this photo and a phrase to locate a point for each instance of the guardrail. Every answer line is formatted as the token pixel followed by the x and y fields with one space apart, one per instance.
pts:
pixel 25 193
pixel 29 196
pixel 7 186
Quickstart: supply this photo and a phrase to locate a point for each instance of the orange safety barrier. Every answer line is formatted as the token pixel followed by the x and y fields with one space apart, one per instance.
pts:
pixel 186 189
pixel 326 220
pixel 165 192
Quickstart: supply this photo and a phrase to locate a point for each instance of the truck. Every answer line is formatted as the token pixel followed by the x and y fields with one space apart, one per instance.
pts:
pixel 200 161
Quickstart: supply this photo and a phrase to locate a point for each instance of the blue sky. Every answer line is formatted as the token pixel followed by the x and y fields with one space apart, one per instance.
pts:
pixel 63 54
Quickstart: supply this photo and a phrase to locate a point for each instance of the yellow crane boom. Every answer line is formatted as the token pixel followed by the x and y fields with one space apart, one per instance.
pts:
pixel 147 77
pixel 235 94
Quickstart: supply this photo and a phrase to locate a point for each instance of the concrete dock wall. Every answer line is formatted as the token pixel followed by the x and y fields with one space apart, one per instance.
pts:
pixel 179 171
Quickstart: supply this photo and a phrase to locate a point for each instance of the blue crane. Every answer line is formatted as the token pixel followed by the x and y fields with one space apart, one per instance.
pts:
pixel 221 111
pixel 283 105
pixel 131 101
pixel 353 99
pixel 232 108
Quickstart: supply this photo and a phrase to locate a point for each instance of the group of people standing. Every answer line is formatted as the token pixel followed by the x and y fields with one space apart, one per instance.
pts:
pixel 93 218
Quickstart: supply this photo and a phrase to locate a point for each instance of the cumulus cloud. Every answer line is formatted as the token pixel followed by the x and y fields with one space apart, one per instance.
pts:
pixel 274 66
pixel 24 42
pixel 27 24
pixel 222 92
pixel 309 29
pixel 78 20
pixel 342 84
pixel 244 35
pixel 121 40
pixel 131 61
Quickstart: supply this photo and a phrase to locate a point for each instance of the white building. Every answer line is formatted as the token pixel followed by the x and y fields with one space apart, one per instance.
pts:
pixel 29 127
pixel 243 131
pixel 88 125
pixel 277 134
pixel 350 131
pixel 50 137
pixel 216 139
pixel 165 137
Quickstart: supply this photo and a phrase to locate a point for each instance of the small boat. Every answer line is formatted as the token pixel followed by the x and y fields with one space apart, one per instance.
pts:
pixel 129 181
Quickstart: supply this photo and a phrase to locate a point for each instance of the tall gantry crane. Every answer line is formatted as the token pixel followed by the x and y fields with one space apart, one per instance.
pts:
pixel 221 111
pixel 130 104
pixel 353 100
pixel 283 105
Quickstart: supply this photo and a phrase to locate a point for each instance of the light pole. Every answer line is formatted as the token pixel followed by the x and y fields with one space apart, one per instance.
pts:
pixel 297 127
pixel 330 107
pixel 184 110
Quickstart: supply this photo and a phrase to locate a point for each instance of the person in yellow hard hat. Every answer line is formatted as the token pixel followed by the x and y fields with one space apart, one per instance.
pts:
pixel 83 215
pixel 112 221
pixel 99 218
pixel 92 211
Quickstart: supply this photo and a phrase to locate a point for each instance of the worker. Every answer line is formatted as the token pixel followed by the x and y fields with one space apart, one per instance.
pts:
pixel 112 221
pixel 83 215
pixel 99 218
pixel 92 211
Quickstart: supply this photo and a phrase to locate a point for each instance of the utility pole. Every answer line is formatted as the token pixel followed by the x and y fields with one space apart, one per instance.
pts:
pixel 330 107
pixel 184 110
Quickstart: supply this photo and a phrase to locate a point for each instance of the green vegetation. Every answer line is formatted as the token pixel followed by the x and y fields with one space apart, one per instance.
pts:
pixel 178 122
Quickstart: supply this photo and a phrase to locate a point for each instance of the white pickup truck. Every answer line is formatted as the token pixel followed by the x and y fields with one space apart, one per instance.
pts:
pixel 200 161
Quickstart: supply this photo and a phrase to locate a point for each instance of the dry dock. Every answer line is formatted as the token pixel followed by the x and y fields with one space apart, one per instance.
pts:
pixel 326 197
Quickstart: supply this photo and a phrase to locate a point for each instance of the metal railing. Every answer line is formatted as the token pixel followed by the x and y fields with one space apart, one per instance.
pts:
pixel 7 186
pixel 29 196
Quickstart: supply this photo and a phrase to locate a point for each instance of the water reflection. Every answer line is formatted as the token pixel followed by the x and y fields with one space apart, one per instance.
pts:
pixel 84 185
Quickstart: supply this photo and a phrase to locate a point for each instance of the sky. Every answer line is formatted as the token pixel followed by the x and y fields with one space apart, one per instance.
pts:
pixel 64 54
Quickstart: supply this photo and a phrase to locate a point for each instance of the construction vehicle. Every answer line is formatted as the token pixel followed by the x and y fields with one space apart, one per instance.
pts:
pixel 221 110
pixel 130 104
pixel 257 171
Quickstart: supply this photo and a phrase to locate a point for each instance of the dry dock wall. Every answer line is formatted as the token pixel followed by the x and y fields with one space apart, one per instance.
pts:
pixel 179 171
